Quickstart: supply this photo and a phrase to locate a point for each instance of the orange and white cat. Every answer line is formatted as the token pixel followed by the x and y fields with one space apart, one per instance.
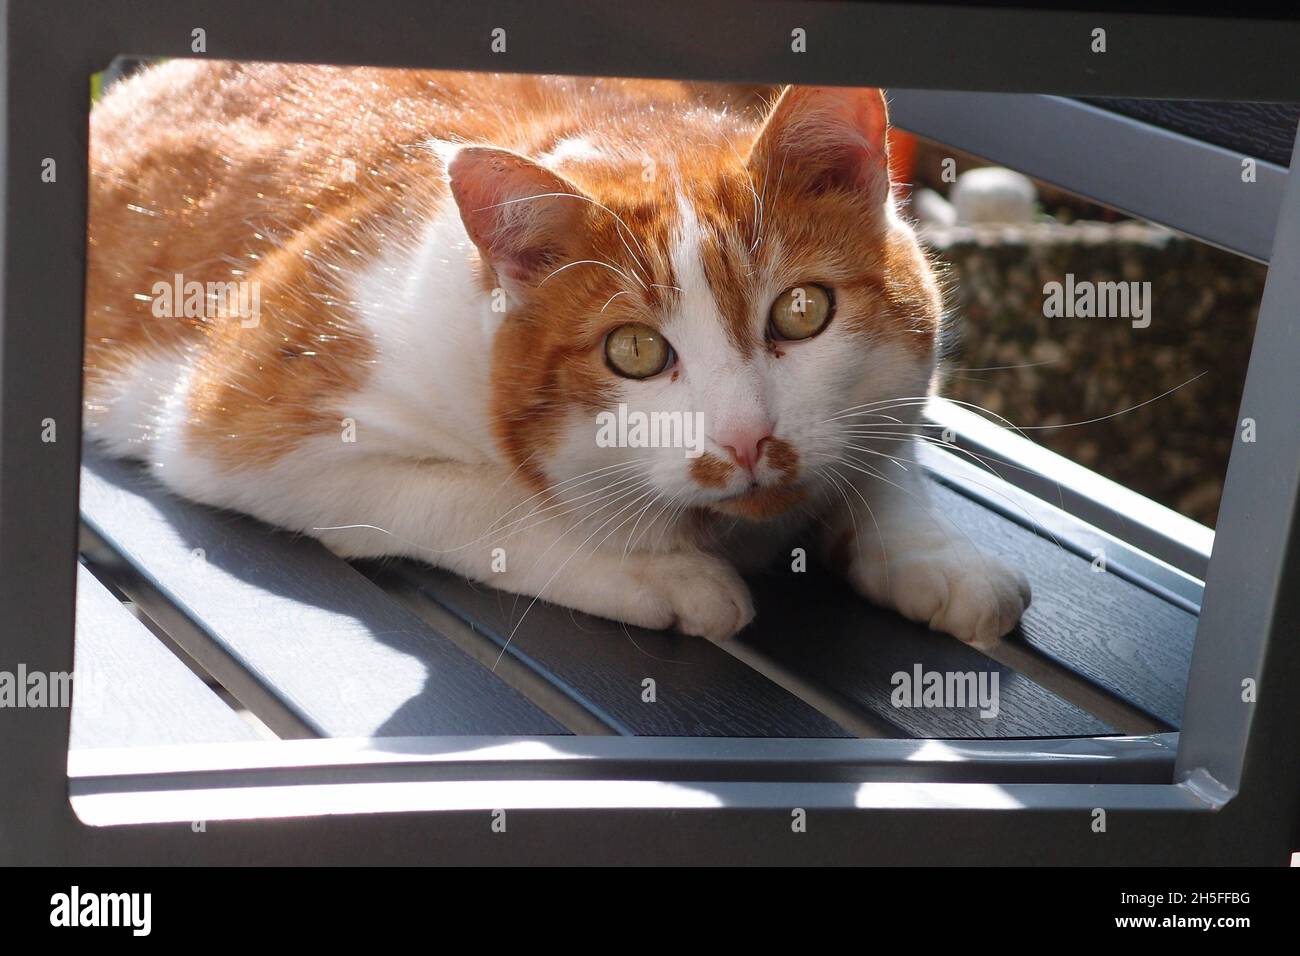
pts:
pixel 456 278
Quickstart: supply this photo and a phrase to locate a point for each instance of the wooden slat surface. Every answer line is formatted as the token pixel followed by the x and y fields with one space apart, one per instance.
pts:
pixel 339 651
pixel 700 689
pixel 1116 635
pixel 1099 625
pixel 131 691
pixel 815 627
pixel 308 627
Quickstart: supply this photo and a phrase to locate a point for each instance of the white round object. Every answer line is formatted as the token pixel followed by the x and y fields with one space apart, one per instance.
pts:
pixel 994 194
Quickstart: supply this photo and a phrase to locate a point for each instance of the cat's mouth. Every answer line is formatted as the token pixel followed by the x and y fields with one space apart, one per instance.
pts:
pixel 761 502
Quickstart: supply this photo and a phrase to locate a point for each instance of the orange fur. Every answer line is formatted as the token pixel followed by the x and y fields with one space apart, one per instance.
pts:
pixel 223 171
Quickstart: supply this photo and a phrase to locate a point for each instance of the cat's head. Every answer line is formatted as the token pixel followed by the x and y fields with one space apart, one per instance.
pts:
pixel 741 294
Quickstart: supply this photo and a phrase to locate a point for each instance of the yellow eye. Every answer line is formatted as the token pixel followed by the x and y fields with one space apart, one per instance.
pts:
pixel 637 351
pixel 801 312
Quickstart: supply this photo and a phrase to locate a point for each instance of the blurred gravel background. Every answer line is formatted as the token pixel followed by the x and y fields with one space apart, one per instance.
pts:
pixel 1204 304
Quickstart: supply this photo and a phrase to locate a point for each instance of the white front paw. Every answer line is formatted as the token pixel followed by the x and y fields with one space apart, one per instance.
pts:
pixel 958 590
pixel 706 595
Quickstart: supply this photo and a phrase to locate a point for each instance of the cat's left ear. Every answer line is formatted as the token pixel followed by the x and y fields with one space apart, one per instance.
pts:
pixel 522 216
pixel 822 138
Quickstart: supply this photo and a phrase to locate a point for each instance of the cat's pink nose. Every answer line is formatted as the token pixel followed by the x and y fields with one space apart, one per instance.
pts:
pixel 746 447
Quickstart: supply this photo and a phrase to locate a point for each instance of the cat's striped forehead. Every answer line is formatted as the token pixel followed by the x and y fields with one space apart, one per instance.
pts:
pixel 717 241
pixel 692 254
pixel 693 218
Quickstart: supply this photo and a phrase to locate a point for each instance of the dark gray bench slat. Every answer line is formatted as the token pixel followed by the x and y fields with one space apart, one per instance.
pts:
pixel 700 689
pixel 131 691
pixel 310 628
pixel 814 626
pixel 1109 630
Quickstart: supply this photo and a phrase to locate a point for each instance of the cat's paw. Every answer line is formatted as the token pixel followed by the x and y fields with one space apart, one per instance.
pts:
pixel 706 596
pixel 963 592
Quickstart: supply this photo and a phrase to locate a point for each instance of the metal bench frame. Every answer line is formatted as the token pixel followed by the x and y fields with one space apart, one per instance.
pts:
pixel 1232 793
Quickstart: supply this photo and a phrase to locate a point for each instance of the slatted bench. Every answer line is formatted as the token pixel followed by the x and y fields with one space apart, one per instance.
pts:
pixel 313 646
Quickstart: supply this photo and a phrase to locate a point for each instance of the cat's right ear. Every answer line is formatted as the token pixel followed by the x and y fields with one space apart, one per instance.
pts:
pixel 521 216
